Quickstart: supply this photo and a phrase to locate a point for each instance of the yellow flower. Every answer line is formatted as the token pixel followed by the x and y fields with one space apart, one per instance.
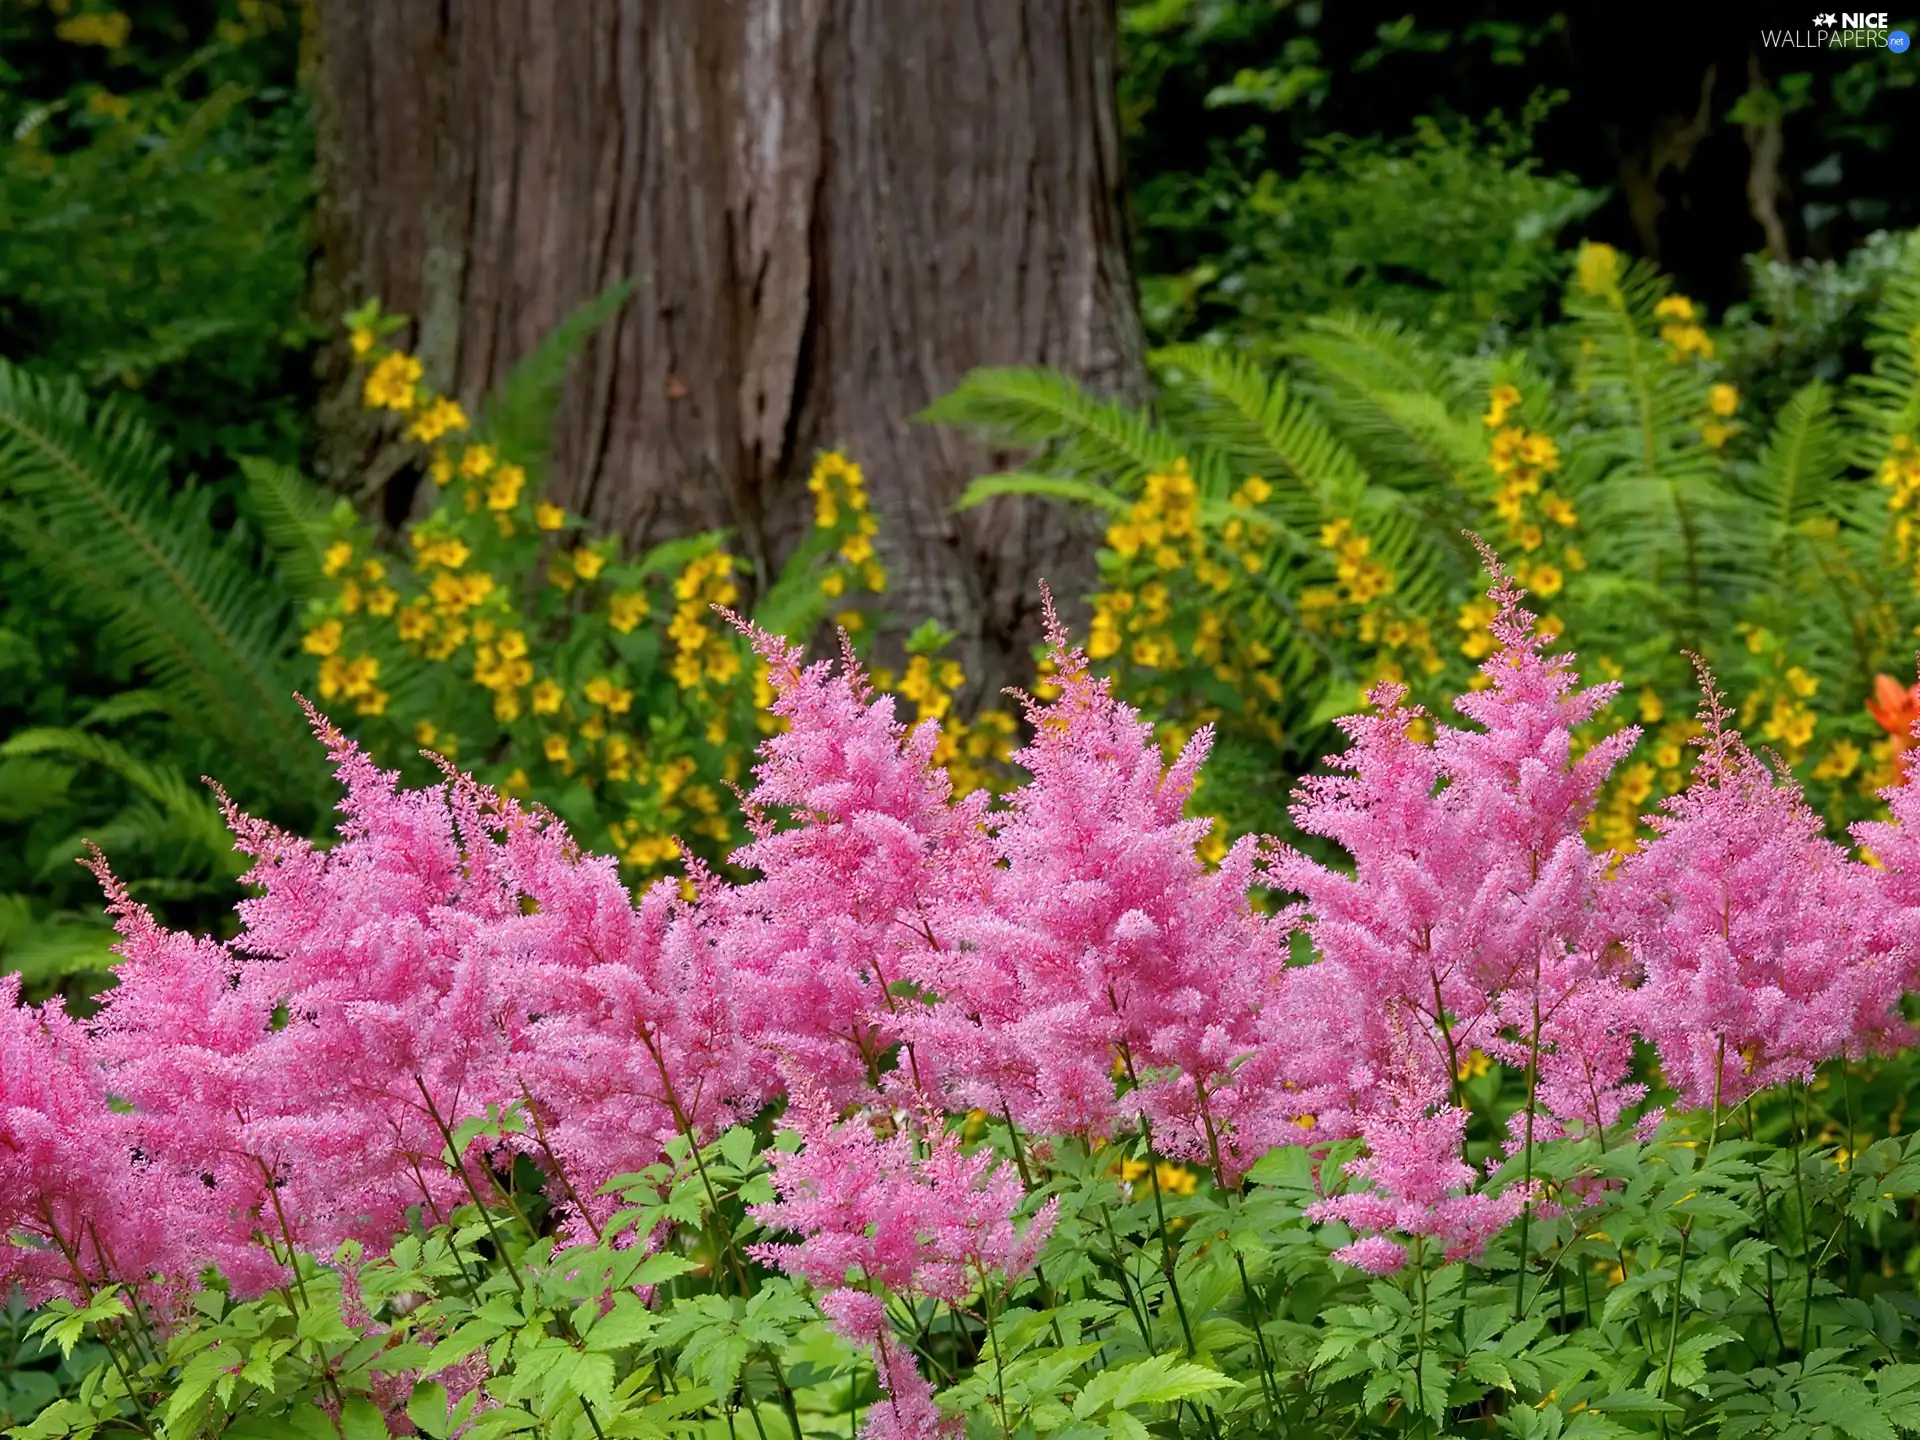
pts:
pixel 549 516
pixel 1715 435
pixel 1801 683
pixel 547 696
pixel 360 341
pixel 440 467
pixel 425 733
pixel 1674 307
pixel 1598 268
pixel 1500 400
pixel 391 384
pixel 504 492
pixel 588 563
pixel 555 747
pixel 477 463
pixel 833 584
pixel 439 418
pixel 1841 760
pixel 1723 400
pixel 626 610
pixel 381 599
pixel 413 622
pixel 323 639
pixel 1546 580
pixel 106 28
pixel 1651 707
pixel 339 555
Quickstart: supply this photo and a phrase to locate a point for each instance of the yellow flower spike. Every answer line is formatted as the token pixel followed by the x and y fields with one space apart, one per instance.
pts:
pixel 549 516
pixel 323 639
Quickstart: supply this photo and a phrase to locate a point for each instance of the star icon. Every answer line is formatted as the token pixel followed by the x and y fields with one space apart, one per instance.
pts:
pixel 1826 21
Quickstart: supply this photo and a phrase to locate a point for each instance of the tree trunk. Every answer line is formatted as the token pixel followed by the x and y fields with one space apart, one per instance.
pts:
pixel 831 209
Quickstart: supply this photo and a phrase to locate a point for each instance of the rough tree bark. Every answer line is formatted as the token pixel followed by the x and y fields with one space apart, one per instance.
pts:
pixel 832 209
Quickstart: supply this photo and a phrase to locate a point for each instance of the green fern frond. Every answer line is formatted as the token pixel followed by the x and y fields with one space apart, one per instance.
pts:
pixel 92 506
pixel 179 811
pixel 1263 429
pixel 1050 487
pixel 291 512
pixel 1884 400
pixel 518 419
pixel 45 950
pixel 30 785
pixel 1802 461
pixel 1034 406
pixel 127 705
pixel 1402 407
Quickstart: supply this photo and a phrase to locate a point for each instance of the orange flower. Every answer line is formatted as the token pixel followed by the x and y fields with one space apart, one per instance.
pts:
pixel 1895 708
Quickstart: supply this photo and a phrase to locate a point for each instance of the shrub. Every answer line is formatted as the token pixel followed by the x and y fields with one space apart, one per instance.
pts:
pixel 1277 545
pixel 1013 1115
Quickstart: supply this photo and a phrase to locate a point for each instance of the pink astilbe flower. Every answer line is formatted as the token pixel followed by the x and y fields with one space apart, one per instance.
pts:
pixel 873 1211
pixel 79 1202
pixel 1765 948
pixel 1469 909
pixel 856 886
pixel 1107 943
pixel 639 1036
pixel 1420 1186
pixel 933 1224
pixel 180 1038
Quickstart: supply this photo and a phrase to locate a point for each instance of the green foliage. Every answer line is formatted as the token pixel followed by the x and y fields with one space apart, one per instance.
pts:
pixel 1279 541
pixel 154 189
pixel 1451 229
pixel 1735 1273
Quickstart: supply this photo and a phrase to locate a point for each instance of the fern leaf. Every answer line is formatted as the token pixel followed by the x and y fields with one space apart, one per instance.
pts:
pixel 1052 487
pixel 45 950
pixel 187 811
pixel 291 512
pixel 93 508
pixel 1037 406
pixel 518 419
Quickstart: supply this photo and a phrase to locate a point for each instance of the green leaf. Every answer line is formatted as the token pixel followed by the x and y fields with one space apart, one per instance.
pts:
pixel 427 1408
pixel 1053 487
pixel 360 1419
pixel 1157 1380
